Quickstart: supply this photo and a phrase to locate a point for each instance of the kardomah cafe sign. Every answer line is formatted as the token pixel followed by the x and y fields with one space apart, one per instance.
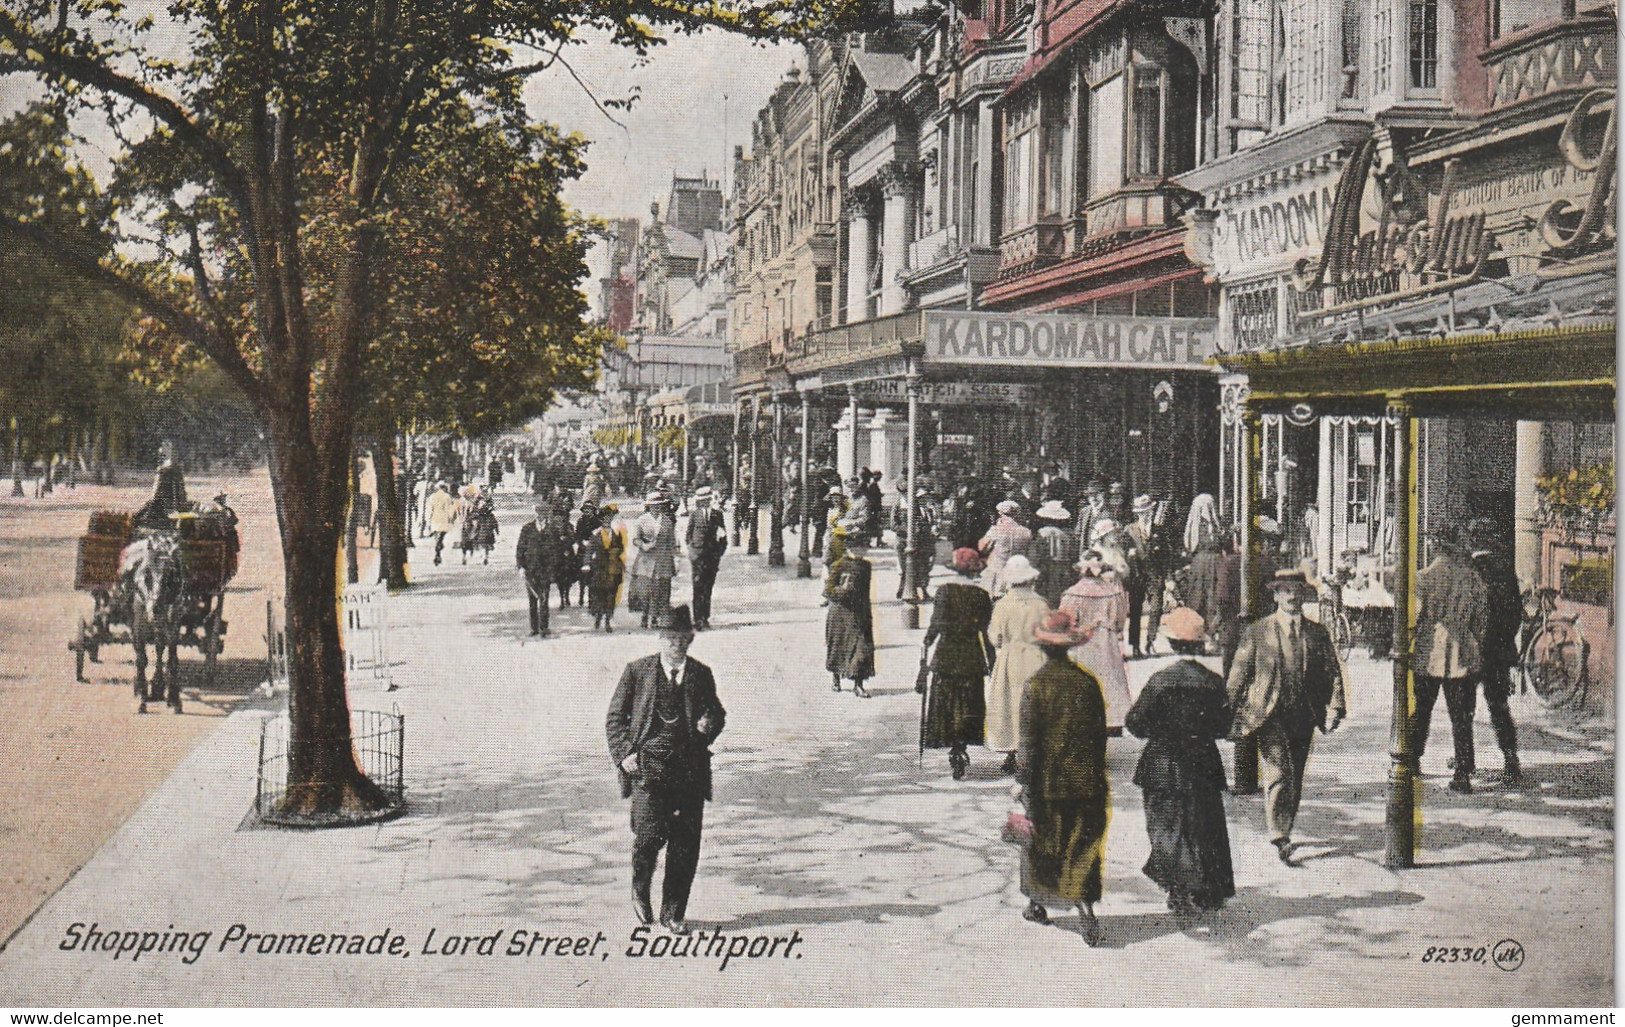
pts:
pixel 1066 340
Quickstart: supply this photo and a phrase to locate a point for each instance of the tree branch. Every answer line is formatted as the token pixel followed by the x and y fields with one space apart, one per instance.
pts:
pixel 219 347
pixel 53 61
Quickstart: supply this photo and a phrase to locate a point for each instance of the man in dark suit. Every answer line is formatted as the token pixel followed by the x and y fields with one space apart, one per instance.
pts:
pixel 661 722
pixel 1285 682
pixel 1500 649
pixel 707 541
pixel 536 555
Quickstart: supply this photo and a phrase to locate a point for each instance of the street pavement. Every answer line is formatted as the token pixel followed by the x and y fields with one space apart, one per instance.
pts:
pixel 881 881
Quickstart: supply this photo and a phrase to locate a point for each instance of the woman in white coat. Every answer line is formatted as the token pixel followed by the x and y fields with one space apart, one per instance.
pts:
pixel 1015 617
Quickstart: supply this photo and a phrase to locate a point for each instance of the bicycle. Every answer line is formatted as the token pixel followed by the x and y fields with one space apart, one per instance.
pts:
pixel 1335 619
pixel 1555 658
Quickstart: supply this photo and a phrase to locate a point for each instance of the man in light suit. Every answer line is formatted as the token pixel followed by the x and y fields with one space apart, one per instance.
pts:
pixel 1285 682
pixel 661 722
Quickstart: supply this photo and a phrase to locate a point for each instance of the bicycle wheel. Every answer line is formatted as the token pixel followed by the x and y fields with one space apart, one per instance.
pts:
pixel 1554 665
pixel 1342 633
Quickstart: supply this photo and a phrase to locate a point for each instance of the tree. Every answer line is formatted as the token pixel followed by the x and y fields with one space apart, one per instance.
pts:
pixel 60 335
pixel 481 324
pixel 286 124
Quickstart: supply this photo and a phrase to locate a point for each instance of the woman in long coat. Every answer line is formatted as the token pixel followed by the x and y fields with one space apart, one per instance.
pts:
pixel 1062 769
pixel 849 627
pixel 604 567
pixel 956 705
pixel 655 538
pixel 1006 539
pixel 1099 604
pixel 835 538
pixel 480 525
pixel 1015 618
pixel 1054 552
pixel 1180 713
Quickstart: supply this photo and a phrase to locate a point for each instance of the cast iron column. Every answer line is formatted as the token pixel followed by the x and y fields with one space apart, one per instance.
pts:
pixel 775 523
pixel 911 605
pixel 1246 752
pixel 1400 836
pixel 753 540
pixel 804 551
pixel 16 459
pixel 739 508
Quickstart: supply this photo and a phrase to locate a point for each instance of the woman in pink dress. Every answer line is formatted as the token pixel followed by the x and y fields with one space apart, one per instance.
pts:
pixel 1099 603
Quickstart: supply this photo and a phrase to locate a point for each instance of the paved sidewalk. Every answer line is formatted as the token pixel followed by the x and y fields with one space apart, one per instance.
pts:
pixel 889 878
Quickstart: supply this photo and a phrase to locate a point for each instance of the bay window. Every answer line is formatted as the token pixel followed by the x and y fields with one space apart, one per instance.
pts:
pixel 1106 109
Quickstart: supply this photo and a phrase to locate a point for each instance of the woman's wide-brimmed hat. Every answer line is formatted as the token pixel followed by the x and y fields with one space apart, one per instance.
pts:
pixel 703 492
pixel 1008 506
pixel 1018 571
pixel 655 499
pixel 1054 511
pixel 968 561
pixel 1090 558
pixel 1105 526
pixel 1058 628
pixel 1144 504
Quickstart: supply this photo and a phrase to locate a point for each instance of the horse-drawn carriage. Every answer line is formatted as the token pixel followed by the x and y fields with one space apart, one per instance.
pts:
pixel 156 586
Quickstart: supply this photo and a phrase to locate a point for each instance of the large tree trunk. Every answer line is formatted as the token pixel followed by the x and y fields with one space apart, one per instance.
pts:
pixel 391 527
pixel 312 498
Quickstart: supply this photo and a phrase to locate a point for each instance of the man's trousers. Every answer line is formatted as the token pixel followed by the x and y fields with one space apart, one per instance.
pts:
pixel 671 818
pixel 705 579
pixel 1497 690
pixel 1281 762
pixel 1461 700
pixel 1145 597
pixel 536 590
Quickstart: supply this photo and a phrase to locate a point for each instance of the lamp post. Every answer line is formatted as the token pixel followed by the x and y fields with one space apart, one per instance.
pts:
pixel 775 543
pixel 753 542
pixel 16 460
pixel 1399 849
pixel 738 507
pixel 911 605
pixel 804 549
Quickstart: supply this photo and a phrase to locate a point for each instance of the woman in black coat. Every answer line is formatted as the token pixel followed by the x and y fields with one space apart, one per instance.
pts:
pixel 1182 710
pixel 849 627
pixel 955 706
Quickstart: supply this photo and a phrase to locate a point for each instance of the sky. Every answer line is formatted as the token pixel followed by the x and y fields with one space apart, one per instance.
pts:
pixel 698 96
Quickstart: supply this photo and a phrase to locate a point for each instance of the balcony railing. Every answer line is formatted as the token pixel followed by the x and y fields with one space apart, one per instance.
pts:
pixel 1577 54
pixel 879 337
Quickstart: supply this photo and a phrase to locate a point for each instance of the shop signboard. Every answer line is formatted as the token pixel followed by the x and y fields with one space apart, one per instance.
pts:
pixel 948 439
pixel 1067 340
pixel 895 390
pixel 1273 227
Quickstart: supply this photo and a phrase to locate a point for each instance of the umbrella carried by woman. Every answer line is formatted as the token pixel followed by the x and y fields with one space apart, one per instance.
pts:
pixel 1061 766
pixel 1181 712
pixel 955 705
pixel 1015 617
pixel 1098 602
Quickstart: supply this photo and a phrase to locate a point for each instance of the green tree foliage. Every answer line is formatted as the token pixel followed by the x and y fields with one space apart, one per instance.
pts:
pixel 271 147
pixel 60 335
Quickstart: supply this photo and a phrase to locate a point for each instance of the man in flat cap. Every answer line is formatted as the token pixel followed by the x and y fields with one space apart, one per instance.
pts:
pixel 661 723
pixel 1285 682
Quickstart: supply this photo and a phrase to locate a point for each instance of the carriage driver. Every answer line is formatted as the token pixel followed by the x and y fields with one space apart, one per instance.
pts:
pixel 168 497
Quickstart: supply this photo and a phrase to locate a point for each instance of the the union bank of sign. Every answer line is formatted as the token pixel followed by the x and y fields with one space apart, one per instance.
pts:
pixel 1065 340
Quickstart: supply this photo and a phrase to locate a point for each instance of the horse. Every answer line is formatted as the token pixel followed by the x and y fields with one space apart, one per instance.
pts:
pixel 152 580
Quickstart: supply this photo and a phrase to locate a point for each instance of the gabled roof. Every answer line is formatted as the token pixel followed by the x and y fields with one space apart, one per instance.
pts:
pixel 883 72
pixel 680 244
